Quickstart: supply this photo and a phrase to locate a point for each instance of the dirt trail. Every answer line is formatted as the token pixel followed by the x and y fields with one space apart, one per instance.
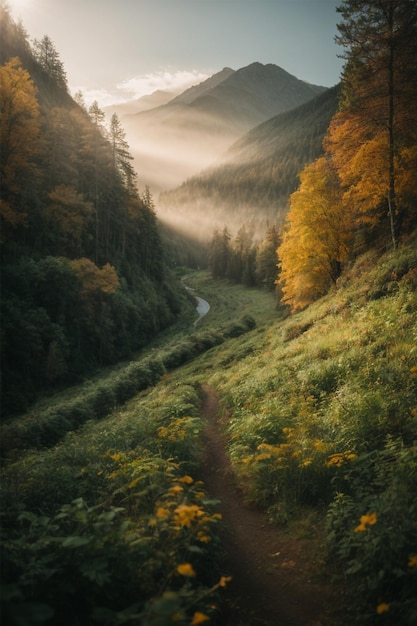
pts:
pixel 271 584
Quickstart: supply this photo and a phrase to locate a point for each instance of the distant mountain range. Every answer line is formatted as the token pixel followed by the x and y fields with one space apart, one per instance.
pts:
pixel 177 139
pixel 155 99
pixel 257 174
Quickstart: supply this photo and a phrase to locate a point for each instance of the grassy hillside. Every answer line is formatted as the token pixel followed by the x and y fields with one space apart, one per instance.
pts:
pixel 320 413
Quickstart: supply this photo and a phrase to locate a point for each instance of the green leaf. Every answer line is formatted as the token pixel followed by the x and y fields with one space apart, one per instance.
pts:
pixel 76 542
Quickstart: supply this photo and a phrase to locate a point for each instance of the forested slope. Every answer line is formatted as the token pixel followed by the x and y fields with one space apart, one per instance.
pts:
pixel 84 281
pixel 259 171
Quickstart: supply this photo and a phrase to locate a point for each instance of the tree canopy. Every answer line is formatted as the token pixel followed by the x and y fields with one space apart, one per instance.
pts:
pixel 368 171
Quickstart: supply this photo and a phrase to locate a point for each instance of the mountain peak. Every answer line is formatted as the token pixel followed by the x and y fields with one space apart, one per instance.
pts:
pixel 198 90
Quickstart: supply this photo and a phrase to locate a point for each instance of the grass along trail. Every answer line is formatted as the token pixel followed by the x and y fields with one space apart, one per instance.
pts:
pixel 273 583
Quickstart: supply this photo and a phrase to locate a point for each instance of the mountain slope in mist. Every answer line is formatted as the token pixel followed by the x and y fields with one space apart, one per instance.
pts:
pixel 150 101
pixel 176 140
pixel 258 172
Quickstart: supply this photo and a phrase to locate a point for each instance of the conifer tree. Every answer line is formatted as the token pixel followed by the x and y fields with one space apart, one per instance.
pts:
pixel 46 54
pixel 121 155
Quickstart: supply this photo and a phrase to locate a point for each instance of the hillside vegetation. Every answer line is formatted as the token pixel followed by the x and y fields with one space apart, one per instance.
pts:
pixel 84 278
pixel 320 415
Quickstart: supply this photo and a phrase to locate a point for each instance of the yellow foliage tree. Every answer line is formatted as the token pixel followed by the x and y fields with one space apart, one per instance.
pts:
pixel 69 212
pixel 361 156
pixel 95 282
pixel 317 236
pixel 19 138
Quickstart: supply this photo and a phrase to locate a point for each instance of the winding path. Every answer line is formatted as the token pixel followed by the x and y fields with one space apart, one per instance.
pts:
pixel 272 582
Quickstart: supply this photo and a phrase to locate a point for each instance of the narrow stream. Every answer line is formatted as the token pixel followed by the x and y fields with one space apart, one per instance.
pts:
pixel 203 307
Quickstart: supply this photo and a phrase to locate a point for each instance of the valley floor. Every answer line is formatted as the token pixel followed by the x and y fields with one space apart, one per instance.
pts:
pixel 273 582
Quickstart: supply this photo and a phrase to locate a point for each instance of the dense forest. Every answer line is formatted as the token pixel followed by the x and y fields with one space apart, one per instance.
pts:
pixel 84 281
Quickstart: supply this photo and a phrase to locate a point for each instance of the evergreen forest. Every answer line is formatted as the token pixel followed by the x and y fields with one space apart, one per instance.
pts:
pixel 307 352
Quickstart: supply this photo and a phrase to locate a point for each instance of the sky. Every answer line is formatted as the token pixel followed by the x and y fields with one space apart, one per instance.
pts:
pixel 118 50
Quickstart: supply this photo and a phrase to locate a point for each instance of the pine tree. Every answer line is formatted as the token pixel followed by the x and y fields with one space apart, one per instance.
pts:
pixel 121 155
pixel 47 56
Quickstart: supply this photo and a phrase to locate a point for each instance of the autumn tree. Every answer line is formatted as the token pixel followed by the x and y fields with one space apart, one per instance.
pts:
pixel 19 136
pixel 373 137
pixel 316 240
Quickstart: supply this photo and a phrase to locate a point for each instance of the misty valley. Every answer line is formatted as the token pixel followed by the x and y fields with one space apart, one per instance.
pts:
pixel 208 341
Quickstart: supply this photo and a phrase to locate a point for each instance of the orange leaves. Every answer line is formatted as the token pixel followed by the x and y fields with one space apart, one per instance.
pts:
pixel 19 135
pixel 94 281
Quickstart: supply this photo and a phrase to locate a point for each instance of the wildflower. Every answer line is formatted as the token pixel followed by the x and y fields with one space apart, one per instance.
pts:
pixel 224 580
pixel 176 489
pixel 116 456
pixel 306 463
pixel 185 514
pixel 412 562
pixel 186 479
pixel 199 618
pixel 366 520
pixel 203 537
pixel 186 569
pixel 340 457
pixel 382 608
pixel 162 513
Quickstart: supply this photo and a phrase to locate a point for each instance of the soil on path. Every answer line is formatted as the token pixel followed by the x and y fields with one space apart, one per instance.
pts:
pixel 272 582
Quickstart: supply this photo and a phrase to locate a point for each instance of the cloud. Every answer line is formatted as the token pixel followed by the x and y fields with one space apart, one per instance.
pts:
pixel 167 80
pixel 142 85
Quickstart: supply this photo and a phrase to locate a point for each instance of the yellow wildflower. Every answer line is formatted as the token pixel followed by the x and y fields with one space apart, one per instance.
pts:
pixel 186 569
pixel 382 608
pixel 176 489
pixel 224 580
pixel 340 457
pixel 203 537
pixel 186 479
pixel 116 456
pixel 162 513
pixel 412 562
pixel 306 463
pixel 366 520
pixel 185 514
pixel 199 618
